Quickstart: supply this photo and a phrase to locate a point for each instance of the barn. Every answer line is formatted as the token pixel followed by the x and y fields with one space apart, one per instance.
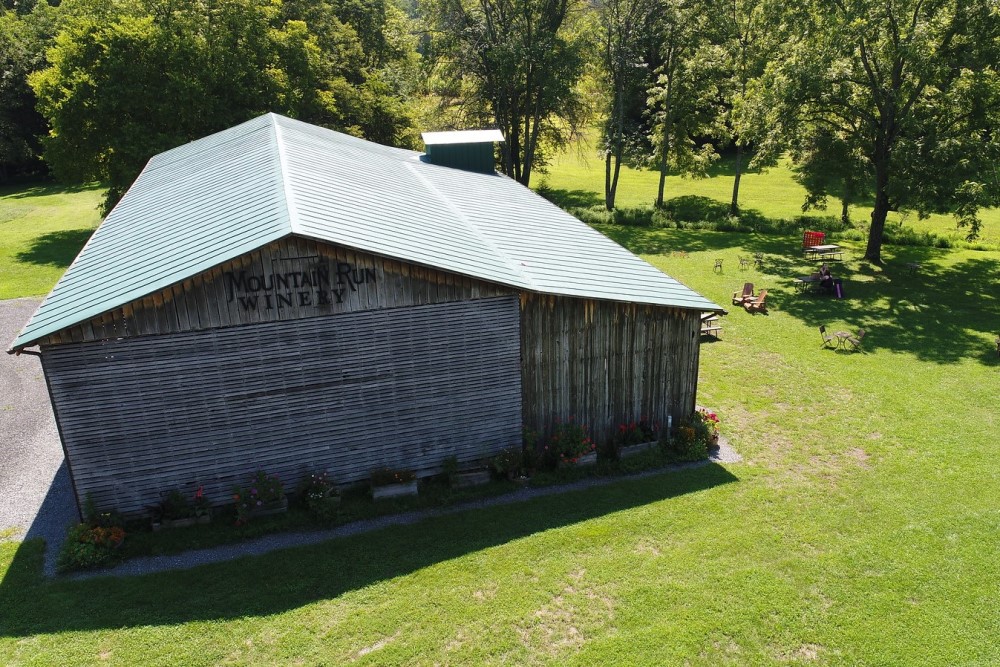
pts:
pixel 283 297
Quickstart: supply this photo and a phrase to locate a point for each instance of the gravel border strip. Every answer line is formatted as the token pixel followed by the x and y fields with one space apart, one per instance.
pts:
pixel 268 543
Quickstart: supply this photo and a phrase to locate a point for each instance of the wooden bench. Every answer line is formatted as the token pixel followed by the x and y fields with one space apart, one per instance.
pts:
pixel 710 325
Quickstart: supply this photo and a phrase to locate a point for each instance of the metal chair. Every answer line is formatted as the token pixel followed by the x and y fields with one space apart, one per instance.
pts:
pixel 744 263
pixel 718 266
pixel 829 340
pixel 856 339
pixel 758 260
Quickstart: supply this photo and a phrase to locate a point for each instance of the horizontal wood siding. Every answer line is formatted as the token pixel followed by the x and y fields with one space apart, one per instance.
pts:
pixel 306 278
pixel 403 387
pixel 604 363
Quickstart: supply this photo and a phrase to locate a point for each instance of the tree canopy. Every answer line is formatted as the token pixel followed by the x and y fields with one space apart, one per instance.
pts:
pixel 892 102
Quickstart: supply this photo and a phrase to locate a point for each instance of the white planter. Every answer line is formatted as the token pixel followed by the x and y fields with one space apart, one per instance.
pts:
pixel 394 490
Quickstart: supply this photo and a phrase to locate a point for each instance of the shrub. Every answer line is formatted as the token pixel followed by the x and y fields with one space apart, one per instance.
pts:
pixel 95 543
pixel 507 464
pixel 88 547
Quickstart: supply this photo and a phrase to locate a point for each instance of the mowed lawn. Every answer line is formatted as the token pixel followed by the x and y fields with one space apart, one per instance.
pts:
pixel 41 230
pixel 772 192
pixel 862 526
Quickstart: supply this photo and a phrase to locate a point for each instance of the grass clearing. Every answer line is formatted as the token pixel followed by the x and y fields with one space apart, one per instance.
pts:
pixel 862 527
pixel 41 231
pixel 579 174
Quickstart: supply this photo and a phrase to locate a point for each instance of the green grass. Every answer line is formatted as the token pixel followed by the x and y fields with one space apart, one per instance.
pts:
pixel 578 174
pixel 862 527
pixel 41 230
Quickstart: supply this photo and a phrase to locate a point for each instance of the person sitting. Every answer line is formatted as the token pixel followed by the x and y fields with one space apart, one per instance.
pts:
pixel 826 278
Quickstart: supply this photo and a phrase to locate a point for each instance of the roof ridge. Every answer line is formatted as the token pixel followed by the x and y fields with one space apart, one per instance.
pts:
pixel 291 211
pixel 473 228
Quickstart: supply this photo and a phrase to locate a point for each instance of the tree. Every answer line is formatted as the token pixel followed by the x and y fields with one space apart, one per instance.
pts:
pixel 131 78
pixel 520 62
pixel 747 33
pixel 827 163
pixel 625 33
pixel 684 102
pixel 23 40
pixel 914 85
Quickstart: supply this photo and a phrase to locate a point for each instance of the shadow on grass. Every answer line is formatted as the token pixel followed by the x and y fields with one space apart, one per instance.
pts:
pixel 291 578
pixel 55 248
pixel 566 199
pixel 46 189
pixel 942 314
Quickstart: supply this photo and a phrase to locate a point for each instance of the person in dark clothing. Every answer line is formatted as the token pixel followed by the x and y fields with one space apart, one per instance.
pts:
pixel 826 279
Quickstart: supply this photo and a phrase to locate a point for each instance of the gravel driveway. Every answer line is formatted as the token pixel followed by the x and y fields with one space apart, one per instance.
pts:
pixel 36 499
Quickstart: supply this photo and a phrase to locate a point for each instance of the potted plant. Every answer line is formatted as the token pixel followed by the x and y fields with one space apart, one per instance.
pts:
pixel 264 495
pixel 317 492
pixel 635 437
pixel 391 483
pixel 569 444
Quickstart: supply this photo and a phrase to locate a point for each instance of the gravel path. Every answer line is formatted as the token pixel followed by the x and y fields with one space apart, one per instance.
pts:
pixel 36 499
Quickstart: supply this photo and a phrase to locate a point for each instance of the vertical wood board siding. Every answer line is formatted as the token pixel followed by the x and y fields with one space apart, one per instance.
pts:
pixel 403 387
pixel 605 363
pixel 308 279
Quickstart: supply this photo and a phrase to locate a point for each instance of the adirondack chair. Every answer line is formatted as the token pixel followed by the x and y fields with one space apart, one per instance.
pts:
pixel 829 340
pixel 856 339
pixel 758 304
pixel 739 298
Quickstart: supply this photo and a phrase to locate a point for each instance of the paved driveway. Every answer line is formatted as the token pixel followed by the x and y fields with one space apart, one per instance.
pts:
pixel 36 499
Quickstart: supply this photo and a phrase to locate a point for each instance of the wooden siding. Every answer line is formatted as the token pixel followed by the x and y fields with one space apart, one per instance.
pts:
pixel 308 279
pixel 605 363
pixel 402 387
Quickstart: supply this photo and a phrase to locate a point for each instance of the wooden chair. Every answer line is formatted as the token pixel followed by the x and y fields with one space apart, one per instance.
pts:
pixel 718 266
pixel 856 339
pixel 739 298
pixel 758 304
pixel 829 340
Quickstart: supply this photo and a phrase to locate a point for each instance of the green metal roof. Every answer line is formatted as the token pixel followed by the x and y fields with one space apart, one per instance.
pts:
pixel 217 198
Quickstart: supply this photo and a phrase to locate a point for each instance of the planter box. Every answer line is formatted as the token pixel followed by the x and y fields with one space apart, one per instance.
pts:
pixel 267 509
pixel 632 450
pixel 466 478
pixel 394 490
pixel 181 523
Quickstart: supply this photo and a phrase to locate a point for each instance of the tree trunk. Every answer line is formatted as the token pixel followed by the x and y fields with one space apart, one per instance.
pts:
pixel 845 213
pixel 734 206
pixel 873 253
pixel 611 190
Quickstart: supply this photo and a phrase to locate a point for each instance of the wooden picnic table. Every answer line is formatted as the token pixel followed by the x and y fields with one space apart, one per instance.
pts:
pixel 825 251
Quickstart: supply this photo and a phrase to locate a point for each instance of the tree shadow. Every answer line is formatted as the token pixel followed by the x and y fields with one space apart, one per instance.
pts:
pixel 55 248
pixel 46 189
pixel 567 199
pixel 290 578
pixel 939 314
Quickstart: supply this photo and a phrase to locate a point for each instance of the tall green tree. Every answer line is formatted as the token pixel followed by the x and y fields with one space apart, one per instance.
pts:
pixel 683 103
pixel 24 37
pixel 745 34
pixel 130 78
pixel 914 85
pixel 626 29
pixel 517 62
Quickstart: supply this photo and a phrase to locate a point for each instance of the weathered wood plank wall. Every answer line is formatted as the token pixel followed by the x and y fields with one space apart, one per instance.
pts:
pixel 402 387
pixel 289 279
pixel 605 363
